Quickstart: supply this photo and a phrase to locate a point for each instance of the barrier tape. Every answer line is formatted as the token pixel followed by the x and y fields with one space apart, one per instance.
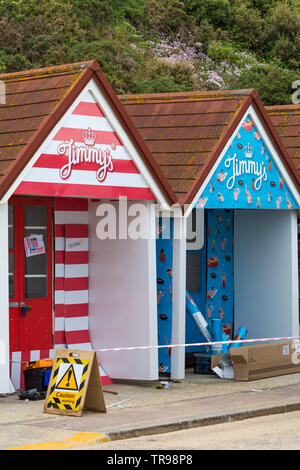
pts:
pixel 186 345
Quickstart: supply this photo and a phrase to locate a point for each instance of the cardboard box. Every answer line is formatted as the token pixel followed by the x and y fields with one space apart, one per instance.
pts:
pixel 263 360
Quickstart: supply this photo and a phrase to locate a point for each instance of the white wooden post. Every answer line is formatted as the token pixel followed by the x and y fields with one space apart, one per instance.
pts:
pixel 153 338
pixel 295 274
pixel 4 301
pixel 179 293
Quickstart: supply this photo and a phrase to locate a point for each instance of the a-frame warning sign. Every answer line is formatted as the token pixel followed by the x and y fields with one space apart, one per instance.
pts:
pixel 74 384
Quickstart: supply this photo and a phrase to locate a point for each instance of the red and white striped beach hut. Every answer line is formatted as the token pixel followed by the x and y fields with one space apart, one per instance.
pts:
pixel 67 146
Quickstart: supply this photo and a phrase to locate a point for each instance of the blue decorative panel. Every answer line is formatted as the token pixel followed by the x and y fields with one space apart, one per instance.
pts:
pixel 164 263
pixel 247 176
pixel 220 276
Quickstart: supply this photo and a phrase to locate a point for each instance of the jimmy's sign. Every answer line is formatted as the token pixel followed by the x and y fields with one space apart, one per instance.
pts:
pixel 247 176
pixel 77 154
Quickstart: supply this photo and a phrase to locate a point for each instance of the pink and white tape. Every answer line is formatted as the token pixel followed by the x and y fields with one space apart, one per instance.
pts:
pixel 156 346
pixel 185 345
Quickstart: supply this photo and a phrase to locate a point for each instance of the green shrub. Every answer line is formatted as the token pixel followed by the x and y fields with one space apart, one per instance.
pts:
pixel 273 83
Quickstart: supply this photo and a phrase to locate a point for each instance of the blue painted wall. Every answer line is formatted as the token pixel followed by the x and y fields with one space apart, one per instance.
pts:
pixel 220 267
pixel 164 264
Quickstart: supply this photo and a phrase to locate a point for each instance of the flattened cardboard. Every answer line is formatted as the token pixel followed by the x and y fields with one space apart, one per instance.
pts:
pixel 263 360
pixel 75 384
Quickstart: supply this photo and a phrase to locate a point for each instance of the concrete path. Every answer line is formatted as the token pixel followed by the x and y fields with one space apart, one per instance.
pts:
pixel 198 401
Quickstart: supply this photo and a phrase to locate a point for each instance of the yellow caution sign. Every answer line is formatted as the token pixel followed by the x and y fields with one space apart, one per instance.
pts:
pixel 68 381
pixel 74 384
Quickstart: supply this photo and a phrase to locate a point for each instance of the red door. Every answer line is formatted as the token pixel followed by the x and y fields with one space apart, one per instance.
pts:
pixel 30 275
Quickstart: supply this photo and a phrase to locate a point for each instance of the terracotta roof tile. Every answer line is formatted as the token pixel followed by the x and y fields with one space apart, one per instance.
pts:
pixel 286 119
pixel 31 96
pixel 183 129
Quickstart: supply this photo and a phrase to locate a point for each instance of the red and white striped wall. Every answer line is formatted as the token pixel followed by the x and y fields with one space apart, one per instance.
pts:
pixel 71 272
pixel 123 180
pixel 76 286
pixel 72 276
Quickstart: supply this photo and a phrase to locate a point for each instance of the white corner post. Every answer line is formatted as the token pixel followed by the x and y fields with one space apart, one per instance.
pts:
pixel 295 274
pixel 179 293
pixel 4 301
pixel 153 333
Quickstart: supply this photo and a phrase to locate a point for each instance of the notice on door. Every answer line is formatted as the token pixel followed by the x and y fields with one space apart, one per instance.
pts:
pixel 34 245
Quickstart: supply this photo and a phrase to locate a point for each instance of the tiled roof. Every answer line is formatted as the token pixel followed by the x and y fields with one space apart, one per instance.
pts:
pixel 182 130
pixel 31 97
pixel 186 132
pixel 286 119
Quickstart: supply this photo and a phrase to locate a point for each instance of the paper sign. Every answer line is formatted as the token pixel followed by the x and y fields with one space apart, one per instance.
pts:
pixel 34 245
pixel 285 350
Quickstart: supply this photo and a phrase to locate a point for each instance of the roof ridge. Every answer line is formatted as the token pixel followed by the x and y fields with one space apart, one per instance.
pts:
pixel 55 69
pixel 213 94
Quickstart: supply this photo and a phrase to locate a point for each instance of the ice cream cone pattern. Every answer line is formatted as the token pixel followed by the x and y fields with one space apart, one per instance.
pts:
pixel 289 204
pixel 278 201
pixel 223 243
pixel 236 193
pixel 248 196
pixel 221 311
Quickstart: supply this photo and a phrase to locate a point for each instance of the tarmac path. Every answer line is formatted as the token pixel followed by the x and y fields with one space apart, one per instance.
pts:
pixel 274 432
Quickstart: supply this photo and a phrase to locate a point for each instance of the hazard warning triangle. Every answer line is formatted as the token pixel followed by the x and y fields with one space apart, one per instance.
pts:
pixel 68 380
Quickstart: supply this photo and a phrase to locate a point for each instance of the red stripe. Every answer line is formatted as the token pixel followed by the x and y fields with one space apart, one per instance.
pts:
pixel 77 257
pixel 59 230
pixel 60 337
pixel 77 231
pixel 59 310
pixel 102 137
pixel 76 283
pixel 61 189
pixel 44 354
pixel 76 310
pixel 59 283
pixel 74 337
pixel 25 357
pixel 59 257
pixel 88 109
pixel 74 204
pixel 58 161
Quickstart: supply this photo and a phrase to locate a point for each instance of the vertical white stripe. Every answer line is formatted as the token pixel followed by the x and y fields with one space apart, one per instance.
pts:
pixel 35 355
pixel 16 369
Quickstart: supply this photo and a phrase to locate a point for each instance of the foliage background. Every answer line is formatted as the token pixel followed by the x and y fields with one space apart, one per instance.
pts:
pixel 147 46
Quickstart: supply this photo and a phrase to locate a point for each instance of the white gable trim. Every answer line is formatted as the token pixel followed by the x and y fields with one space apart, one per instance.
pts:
pixel 93 88
pixel 274 154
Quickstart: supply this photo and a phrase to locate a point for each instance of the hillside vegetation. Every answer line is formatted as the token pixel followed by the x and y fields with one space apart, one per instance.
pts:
pixel 146 46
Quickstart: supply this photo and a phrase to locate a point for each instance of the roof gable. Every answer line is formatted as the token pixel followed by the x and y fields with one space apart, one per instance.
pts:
pixel 48 132
pixel 84 156
pixel 248 174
